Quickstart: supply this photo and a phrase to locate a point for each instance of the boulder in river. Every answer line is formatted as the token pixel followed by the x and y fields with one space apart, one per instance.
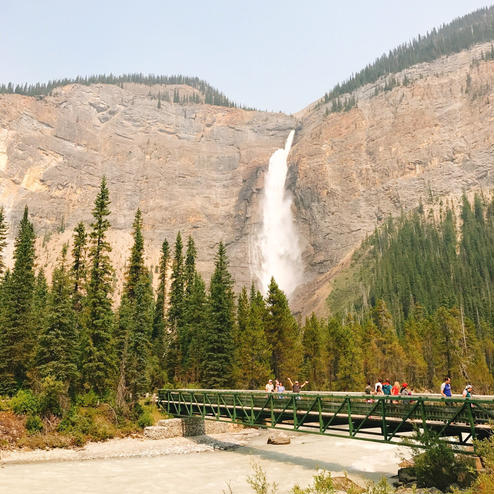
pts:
pixel 278 438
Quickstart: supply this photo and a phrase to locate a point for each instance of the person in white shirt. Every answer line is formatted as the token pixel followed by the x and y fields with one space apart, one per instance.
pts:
pixel 378 386
pixel 269 386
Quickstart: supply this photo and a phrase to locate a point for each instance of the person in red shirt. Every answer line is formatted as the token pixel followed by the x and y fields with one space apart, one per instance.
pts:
pixel 395 390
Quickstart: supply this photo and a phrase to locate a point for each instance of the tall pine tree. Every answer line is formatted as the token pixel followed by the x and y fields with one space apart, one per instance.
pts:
pixel 218 339
pixel 3 239
pixel 57 352
pixel 282 334
pixel 19 332
pixel 135 318
pixel 175 311
pixel 98 358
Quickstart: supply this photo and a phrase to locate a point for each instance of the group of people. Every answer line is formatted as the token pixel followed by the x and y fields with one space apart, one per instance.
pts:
pixel 446 389
pixel 278 387
pixel 383 387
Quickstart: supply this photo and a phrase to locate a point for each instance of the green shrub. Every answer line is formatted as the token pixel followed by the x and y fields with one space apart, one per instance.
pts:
pixel 259 482
pixel 438 465
pixel 145 419
pixel 53 397
pixel 75 421
pixel 34 424
pixel 484 483
pixel 381 487
pixel 89 399
pixel 323 484
pixel 25 402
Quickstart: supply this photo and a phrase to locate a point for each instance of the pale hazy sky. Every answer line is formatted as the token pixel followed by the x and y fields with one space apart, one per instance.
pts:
pixel 270 54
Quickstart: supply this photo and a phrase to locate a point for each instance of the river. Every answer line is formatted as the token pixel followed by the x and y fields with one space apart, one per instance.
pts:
pixel 208 472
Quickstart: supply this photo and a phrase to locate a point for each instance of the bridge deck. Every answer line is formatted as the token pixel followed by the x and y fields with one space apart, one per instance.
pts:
pixel 375 418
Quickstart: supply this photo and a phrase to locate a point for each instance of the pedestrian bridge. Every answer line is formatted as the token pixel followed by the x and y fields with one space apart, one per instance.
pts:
pixel 389 419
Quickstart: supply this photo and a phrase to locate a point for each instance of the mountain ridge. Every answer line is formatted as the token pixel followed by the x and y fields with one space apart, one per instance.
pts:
pixel 199 168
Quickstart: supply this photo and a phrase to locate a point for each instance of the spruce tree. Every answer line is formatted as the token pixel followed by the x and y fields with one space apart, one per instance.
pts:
pixel 98 358
pixel 349 375
pixel 79 266
pixel 183 329
pixel 139 339
pixel 58 344
pixel 134 325
pixel 19 332
pixel 314 361
pixel 175 311
pixel 136 261
pixel 158 365
pixel 160 307
pixel 40 301
pixel 282 334
pixel 252 353
pixel 196 321
pixel 218 339
pixel 3 239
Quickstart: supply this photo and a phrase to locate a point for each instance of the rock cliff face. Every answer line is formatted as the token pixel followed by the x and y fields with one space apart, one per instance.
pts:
pixel 193 168
pixel 199 168
pixel 428 140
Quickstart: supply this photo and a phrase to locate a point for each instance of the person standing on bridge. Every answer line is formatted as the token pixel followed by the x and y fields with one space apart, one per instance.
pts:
pixel 296 386
pixel 467 392
pixel 404 391
pixel 386 387
pixel 446 387
pixel 378 386
pixel 280 389
pixel 269 386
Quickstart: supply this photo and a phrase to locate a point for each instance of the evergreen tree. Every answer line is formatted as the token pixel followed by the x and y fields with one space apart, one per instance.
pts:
pixel 98 358
pixel 350 374
pixel 158 365
pixel 252 353
pixel 175 311
pixel 139 346
pixel 282 334
pixel 189 274
pixel 57 348
pixel 3 239
pixel 136 261
pixel 19 332
pixel 134 325
pixel 159 312
pixel 196 321
pixel 345 358
pixel 79 266
pixel 391 353
pixel 218 340
pixel 177 291
pixel 314 355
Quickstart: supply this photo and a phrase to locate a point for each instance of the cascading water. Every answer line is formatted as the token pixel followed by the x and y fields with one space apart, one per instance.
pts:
pixel 276 248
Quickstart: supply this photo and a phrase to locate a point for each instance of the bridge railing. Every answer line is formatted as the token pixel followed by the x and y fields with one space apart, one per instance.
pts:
pixel 332 414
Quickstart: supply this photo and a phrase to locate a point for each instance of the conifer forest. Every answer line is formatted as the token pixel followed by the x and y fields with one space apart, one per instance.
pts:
pixel 419 307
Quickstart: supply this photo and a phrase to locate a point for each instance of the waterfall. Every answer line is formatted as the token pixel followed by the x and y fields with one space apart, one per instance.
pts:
pixel 276 247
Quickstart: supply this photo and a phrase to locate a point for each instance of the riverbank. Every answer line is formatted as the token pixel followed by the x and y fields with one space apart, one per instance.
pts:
pixel 128 447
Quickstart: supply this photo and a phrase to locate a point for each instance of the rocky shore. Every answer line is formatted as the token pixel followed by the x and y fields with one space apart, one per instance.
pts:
pixel 139 446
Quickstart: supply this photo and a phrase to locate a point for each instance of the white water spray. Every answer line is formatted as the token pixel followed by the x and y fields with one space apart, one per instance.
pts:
pixel 276 250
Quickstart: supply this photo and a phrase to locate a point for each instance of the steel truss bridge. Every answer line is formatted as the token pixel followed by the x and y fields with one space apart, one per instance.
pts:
pixel 388 419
